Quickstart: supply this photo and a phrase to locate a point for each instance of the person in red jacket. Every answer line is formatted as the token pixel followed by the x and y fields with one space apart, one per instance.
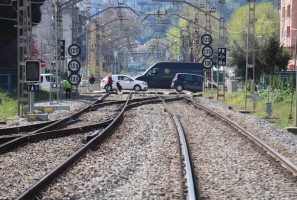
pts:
pixel 108 86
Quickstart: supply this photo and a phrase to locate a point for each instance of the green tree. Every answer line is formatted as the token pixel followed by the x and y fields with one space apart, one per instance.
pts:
pixel 238 61
pixel 267 22
pixel 269 57
pixel 273 56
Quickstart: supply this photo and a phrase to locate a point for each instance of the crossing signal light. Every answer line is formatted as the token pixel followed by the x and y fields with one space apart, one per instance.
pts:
pixel 32 69
pixel 103 66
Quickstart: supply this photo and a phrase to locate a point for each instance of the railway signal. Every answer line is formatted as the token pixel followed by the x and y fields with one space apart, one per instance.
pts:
pixel 32 70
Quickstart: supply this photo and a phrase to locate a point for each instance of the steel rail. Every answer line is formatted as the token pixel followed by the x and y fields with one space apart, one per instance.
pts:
pixel 13 130
pixel 54 133
pixel 44 125
pixel 97 139
pixel 23 139
pixel 185 151
pixel 17 141
pixel 286 163
pixel 6 139
pixel 95 106
pixel 90 145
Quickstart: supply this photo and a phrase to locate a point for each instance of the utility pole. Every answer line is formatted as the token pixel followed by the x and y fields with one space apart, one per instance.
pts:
pixel 207 72
pixel 181 45
pixel 24 27
pixel 221 44
pixel 97 69
pixel 57 64
pixel 88 40
pixel 115 55
pixel 250 51
pixel 74 32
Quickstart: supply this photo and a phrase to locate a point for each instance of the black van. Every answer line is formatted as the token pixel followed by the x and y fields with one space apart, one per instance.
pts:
pixel 160 74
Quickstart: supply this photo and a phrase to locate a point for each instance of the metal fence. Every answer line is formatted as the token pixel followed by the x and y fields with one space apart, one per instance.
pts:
pixel 8 78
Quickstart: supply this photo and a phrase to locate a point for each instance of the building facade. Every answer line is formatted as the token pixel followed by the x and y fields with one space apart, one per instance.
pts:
pixel 288 29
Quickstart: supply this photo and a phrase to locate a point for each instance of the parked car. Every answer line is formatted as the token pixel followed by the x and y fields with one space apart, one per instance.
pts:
pixel 190 82
pixel 48 81
pixel 126 82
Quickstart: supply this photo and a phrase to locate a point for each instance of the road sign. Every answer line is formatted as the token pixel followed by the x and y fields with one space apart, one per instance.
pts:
pixel 207 63
pixel 83 70
pixel 207 51
pixel 222 55
pixel 74 79
pixel 74 50
pixel 74 65
pixel 32 88
pixel 206 39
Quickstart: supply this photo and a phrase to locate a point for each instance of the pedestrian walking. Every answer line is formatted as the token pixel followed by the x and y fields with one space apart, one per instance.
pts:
pixel 92 81
pixel 67 87
pixel 119 86
pixel 108 86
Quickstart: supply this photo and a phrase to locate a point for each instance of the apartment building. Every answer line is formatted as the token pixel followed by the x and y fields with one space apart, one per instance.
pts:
pixel 288 29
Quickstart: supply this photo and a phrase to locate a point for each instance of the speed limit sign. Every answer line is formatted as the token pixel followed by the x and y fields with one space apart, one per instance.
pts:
pixel 207 51
pixel 207 63
pixel 74 79
pixel 74 65
pixel 206 39
pixel 74 50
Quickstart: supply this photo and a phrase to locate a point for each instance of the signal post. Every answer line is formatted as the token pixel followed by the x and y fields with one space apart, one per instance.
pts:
pixel 32 76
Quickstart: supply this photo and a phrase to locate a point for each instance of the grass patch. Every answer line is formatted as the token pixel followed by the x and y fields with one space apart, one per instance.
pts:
pixel 8 106
pixel 282 105
pixel 9 103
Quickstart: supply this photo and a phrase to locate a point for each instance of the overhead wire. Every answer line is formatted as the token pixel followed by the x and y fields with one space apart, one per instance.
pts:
pixel 278 20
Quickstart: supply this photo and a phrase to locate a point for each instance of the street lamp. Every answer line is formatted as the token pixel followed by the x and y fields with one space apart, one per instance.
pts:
pixel 295 77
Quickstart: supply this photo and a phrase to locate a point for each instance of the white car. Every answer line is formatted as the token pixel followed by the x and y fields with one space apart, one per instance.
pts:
pixel 46 80
pixel 126 82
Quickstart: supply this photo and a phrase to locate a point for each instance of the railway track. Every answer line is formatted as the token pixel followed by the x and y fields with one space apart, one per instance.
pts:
pixel 34 137
pixel 80 121
pixel 232 162
pixel 138 154
pixel 89 145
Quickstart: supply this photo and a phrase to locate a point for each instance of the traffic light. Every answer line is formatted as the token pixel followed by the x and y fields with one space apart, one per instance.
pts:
pixel 103 66
pixel 32 70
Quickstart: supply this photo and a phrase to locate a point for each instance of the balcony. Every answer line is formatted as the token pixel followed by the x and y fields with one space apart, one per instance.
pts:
pixel 288 42
pixel 288 21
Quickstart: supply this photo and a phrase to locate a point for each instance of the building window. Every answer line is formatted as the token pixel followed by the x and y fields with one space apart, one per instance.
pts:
pixel 288 31
pixel 288 10
pixel 283 12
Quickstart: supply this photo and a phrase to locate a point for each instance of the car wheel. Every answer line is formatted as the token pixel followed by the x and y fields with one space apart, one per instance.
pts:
pixel 107 88
pixel 179 88
pixel 137 88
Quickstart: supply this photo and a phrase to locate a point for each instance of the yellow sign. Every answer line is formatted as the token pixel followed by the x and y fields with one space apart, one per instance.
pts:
pixel 32 117
pixel 48 110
